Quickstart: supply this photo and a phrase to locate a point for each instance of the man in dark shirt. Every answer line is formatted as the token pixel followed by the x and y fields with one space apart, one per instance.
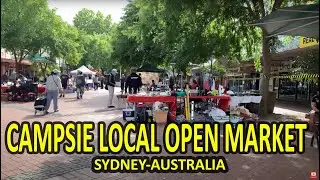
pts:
pixel 64 82
pixel 102 79
pixel 80 83
pixel 134 81
pixel 171 83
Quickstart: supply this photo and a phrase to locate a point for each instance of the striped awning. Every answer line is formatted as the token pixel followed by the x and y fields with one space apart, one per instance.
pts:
pixel 294 76
pixel 299 76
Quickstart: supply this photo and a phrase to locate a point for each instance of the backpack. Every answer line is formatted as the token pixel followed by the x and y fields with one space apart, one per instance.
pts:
pixel 79 80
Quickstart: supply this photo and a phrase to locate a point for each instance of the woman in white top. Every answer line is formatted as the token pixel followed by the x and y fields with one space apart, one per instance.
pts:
pixel 53 86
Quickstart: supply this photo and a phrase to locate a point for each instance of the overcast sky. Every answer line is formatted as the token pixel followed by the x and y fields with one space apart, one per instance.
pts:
pixel 67 9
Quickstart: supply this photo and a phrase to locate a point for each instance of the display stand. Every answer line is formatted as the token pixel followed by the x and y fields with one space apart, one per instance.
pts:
pixel 171 100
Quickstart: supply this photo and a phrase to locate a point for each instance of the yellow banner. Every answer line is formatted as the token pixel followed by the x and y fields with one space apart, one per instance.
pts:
pixel 306 42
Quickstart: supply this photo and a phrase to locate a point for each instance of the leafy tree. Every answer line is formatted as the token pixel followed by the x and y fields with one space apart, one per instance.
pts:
pixel 98 50
pixel 195 30
pixel 308 63
pixel 95 36
pixel 246 12
pixel 29 27
pixel 138 37
pixel 21 25
pixel 217 69
pixel 91 22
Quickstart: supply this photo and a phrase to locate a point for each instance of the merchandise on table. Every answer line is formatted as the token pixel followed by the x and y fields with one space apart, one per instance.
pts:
pixel 235 119
pixel 216 112
pixel 221 119
pixel 160 112
pixel 236 100
pixel 181 118
pixel 128 114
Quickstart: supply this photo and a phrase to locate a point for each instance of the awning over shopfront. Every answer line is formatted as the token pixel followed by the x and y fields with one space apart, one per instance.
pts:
pixel 12 61
pixel 39 59
pixel 295 21
pixel 293 76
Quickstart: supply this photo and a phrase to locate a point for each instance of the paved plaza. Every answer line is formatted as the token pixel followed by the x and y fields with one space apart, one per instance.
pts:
pixel 93 108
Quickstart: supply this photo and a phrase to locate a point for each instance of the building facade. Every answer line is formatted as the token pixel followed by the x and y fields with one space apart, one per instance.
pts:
pixel 8 63
pixel 245 77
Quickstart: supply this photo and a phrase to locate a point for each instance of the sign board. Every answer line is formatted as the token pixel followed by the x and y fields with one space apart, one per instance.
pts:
pixel 283 66
pixel 306 42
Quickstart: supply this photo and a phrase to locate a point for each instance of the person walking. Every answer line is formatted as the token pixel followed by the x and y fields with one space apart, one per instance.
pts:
pixel 111 84
pixel 53 86
pixel 80 83
pixel 102 81
pixel 140 85
pixel 122 82
pixel 64 81
pixel 95 82
pixel 134 81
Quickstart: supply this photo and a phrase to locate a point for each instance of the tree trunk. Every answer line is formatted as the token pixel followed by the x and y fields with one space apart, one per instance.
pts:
pixel 266 72
pixel 43 69
pixel 17 64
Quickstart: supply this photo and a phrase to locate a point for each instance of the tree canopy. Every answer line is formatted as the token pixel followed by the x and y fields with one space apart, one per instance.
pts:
pixel 96 31
pixel 157 32
pixel 30 27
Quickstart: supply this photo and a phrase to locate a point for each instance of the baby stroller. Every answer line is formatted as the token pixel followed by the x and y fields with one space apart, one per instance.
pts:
pixel 41 101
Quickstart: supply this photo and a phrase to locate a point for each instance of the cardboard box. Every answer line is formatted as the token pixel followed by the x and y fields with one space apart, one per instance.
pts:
pixel 160 116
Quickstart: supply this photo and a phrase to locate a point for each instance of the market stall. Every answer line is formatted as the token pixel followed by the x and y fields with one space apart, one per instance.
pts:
pixel 21 92
pixel 154 103
pixel 221 101
pixel 84 70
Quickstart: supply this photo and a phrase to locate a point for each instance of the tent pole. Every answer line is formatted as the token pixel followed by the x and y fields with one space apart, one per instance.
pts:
pixel 293 28
pixel 287 20
pixel 292 10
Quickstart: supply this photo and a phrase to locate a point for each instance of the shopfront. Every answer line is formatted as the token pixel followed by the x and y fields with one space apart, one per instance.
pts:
pixel 8 66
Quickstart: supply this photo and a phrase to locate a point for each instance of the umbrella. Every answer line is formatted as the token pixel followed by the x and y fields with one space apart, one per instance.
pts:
pixel 295 21
pixel 38 58
pixel 149 68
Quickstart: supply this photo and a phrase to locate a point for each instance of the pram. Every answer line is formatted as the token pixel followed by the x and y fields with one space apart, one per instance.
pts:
pixel 41 101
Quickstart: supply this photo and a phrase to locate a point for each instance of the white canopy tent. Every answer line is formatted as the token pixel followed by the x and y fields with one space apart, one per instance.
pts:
pixel 84 70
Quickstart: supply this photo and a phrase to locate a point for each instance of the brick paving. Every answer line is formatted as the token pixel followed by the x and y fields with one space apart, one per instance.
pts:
pixel 93 108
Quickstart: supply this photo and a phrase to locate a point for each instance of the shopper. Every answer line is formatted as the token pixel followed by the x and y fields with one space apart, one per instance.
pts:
pixel 95 82
pixel 111 84
pixel 153 86
pixel 80 83
pixel 314 117
pixel 102 79
pixel 53 86
pixel 140 85
pixel 64 81
pixel 134 81
pixel 122 82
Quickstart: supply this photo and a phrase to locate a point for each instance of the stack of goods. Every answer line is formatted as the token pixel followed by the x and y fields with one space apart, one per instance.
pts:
pixel 160 112
pixel 193 92
pixel 235 115
pixel 218 115
pixel 244 112
pixel 181 118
